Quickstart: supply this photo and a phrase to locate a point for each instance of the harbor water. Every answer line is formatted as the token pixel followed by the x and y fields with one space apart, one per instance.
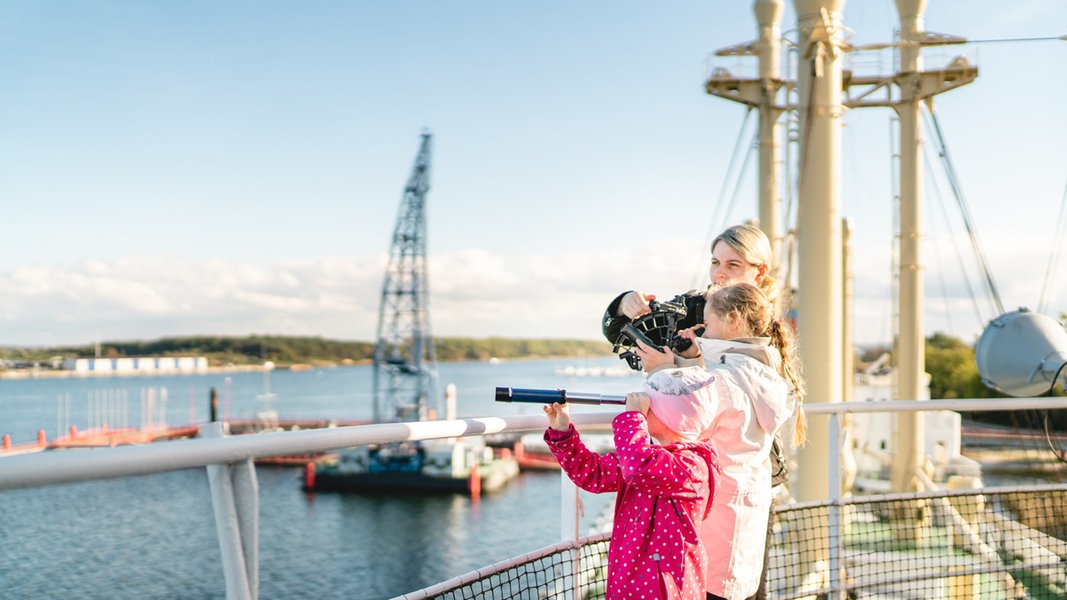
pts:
pixel 154 536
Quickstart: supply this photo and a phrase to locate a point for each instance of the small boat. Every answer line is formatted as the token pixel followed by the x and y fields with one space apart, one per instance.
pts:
pixel 445 466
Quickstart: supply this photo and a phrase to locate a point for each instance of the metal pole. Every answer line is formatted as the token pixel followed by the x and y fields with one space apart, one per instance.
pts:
pixel 819 314
pixel 835 521
pixel 768 17
pixel 820 279
pixel 911 358
pixel 236 522
pixel 569 524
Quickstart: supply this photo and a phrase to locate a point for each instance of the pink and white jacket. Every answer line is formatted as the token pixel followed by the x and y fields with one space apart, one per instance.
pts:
pixel 662 495
pixel 751 402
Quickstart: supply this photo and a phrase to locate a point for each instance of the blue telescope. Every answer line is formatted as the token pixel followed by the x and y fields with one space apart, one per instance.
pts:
pixel 539 396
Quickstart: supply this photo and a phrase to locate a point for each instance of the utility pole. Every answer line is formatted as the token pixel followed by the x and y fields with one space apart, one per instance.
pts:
pixel 405 363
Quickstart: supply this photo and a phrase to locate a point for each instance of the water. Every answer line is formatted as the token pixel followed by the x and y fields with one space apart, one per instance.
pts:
pixel 154 536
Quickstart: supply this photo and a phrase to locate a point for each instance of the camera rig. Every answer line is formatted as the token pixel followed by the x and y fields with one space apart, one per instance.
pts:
pixel 657 328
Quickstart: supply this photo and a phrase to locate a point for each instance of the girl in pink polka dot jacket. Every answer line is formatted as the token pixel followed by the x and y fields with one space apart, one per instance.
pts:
pixel 663 492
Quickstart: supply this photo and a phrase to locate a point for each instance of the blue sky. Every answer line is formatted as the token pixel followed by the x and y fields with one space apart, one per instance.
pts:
pixel 182 168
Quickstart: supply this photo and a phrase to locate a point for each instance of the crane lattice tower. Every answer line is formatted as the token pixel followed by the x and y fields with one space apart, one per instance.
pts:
pixel 405 364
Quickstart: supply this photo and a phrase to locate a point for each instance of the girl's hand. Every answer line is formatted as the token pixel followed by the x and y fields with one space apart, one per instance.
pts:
pixel 691 334
pixel 558 416
pixel 650 358
pixel 637 401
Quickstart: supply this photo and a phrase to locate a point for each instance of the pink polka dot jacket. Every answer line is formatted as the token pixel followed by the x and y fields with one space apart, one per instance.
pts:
pixel 663 494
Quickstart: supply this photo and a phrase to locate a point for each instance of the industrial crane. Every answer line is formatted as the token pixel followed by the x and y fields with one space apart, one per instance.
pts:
pixel 405 364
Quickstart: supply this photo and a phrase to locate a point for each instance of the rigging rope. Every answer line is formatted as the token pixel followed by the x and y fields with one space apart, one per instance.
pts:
pixel 959 254
pixel 1059 452
pixel 1054 256
pixel 714 228
pixel 957 191
pixel 1035 39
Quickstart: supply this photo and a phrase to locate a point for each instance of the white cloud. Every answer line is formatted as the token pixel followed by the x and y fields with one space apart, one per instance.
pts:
pixel 555 294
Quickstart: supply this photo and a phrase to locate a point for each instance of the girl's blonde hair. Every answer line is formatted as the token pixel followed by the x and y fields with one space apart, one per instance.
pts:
pixel 748 305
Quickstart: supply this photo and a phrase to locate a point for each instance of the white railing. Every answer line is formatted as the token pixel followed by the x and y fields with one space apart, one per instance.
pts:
pixel 229 461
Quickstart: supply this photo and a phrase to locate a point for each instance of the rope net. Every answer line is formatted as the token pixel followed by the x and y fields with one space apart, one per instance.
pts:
pixel 977 544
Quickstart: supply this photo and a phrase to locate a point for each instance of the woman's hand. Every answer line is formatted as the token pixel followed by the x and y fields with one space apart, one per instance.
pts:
pixel 634 304
pixel 652 358
pixel 637 401
pixel 558 416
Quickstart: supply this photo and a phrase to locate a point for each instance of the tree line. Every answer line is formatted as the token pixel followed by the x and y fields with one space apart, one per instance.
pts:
pixel 289 350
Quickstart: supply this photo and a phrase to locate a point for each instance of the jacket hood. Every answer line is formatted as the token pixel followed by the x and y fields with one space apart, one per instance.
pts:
pixel 676 401
pixel 710 456
pixel 753 364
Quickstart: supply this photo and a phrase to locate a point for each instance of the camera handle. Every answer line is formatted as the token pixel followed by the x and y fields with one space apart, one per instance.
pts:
pixel 536 396
pixel 636 334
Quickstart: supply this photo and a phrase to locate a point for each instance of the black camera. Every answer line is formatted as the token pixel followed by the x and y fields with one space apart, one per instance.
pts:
pixel 657 328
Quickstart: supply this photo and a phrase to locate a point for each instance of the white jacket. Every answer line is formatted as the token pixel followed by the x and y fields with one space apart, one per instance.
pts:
pixel 751 402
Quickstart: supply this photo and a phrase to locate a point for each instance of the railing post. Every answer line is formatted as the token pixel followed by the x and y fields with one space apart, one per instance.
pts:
pixel 834 516
pixel 569 523
pixel 235 500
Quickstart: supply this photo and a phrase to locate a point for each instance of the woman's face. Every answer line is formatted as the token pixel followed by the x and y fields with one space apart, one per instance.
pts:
pixel 729 267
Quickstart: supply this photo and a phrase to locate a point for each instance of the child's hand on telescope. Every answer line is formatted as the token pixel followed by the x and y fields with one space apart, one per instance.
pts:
pixel 558 416
pixel 637 401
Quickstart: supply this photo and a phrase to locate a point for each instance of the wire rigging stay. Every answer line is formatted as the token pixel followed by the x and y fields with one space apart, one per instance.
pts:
pixel 968 221
pixel 1054 256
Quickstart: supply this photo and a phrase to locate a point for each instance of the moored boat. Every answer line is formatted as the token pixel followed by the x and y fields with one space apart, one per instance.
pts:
pixel 445 466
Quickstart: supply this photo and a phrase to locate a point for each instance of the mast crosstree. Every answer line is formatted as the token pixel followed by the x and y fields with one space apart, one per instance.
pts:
pixel 405 363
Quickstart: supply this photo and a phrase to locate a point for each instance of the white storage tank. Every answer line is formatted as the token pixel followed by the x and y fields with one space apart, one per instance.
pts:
pixel 102 365
pixel 78 365
pixel 144 363
pixel 124 365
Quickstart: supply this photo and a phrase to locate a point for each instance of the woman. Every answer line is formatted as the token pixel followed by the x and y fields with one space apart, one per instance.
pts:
pixel 740 254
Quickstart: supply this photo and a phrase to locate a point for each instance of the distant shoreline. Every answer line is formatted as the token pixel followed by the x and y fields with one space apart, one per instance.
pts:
pixel 66 374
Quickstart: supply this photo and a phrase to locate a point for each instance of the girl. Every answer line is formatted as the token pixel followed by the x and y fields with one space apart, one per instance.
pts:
pixel 756 385
pixel 663 493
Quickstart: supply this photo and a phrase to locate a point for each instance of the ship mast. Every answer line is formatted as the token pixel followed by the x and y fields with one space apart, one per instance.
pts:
pixel 405 363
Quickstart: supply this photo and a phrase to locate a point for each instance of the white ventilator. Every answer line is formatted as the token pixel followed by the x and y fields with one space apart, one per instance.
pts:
pixel 1022 353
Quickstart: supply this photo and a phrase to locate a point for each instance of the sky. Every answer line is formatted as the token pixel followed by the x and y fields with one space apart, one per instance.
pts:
pixel 234 168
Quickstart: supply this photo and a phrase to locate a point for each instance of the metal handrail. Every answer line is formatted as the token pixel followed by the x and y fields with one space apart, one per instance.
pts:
pixel 86 464
pixel 229 461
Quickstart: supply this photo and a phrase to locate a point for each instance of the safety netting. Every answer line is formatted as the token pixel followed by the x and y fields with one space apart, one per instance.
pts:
pixel 974 544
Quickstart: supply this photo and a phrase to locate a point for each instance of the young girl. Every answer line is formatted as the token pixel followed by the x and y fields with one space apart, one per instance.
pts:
pixel 663 493
pixel 756 386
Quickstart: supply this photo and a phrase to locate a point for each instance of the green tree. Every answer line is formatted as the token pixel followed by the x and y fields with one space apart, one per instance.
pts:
pixel 953 370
